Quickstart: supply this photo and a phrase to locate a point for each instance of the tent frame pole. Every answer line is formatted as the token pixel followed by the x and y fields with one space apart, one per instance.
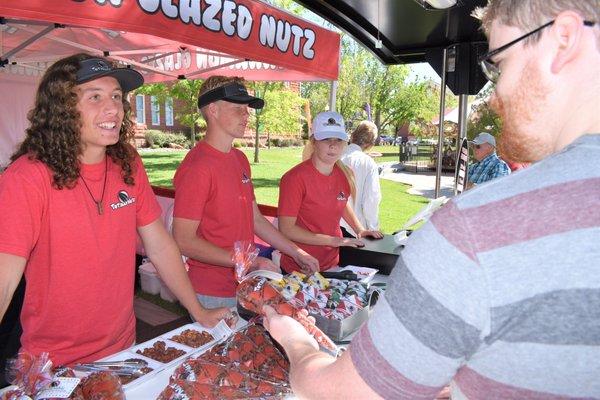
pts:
pixel 438 172
pixel 462 129
pixel 332 95
pixel 36 36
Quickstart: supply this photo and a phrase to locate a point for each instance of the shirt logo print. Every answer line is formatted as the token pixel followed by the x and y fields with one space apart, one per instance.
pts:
pixel 245 178
pixel 342 196
pixel 124 200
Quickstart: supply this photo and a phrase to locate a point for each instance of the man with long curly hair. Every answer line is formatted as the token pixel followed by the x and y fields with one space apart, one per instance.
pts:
pixel 73 200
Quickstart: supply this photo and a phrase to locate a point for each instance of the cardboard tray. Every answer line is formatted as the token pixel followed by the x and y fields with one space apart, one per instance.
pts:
pixel 219 332
pixel 338 330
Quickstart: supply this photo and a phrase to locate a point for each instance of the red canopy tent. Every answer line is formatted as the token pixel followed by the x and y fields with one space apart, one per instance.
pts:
pixel 163 39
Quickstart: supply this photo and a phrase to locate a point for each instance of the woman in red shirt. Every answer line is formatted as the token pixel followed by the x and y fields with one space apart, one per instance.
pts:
pixel 313 197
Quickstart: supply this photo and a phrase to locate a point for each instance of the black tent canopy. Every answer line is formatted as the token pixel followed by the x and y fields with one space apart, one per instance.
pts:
pixel 413 31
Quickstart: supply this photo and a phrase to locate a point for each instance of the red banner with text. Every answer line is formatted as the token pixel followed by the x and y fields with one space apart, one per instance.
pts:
pixel 200 34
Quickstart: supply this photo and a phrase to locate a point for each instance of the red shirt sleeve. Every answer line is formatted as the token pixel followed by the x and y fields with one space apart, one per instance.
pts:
pixel 291 193
pixel 147 207
pixel 23 201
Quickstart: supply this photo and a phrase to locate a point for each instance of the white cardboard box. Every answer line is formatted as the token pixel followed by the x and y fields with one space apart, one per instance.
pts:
pixel 149 279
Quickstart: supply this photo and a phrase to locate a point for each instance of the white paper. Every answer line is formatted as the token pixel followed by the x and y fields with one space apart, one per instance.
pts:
pixel 400 237
pixel 426 212
pixel 221 331
pixel 364 274
pixel 63 389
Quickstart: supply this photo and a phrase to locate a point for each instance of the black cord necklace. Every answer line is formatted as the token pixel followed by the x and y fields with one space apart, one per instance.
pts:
pixel 98 202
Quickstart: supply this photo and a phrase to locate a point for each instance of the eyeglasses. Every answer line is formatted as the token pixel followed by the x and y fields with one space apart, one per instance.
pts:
pixel 491 70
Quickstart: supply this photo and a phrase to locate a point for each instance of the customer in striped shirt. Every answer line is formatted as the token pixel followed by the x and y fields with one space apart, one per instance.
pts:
pixel 499 293
pixel 488 166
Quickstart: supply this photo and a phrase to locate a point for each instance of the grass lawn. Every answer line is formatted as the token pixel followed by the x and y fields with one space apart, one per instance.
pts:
pixel 396 208
pixel 388 153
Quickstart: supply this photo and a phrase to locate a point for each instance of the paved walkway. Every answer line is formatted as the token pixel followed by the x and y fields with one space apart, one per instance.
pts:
pixel 423 183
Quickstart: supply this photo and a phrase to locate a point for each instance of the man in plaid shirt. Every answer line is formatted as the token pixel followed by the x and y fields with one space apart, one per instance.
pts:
pixel 488 166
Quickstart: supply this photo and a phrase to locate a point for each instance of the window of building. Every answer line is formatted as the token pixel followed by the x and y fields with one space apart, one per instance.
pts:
pixel 155 110
pixel 169 111
pixel 140 109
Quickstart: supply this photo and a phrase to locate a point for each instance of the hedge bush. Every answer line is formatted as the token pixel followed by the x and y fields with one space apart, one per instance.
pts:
pixel 285 142
pixel 156 138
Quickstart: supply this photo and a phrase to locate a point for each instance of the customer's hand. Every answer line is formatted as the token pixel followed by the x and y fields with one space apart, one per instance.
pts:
pixel 306 262
pixel 210 317
pixel 373 234
pixel 286 330
pixel 265 264
pixel 347 242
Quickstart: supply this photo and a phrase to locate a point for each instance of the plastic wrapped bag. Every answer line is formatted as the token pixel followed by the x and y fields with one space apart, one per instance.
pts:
pixel 246 366
pixel 255 292
pixel 30 374
pixel 244 256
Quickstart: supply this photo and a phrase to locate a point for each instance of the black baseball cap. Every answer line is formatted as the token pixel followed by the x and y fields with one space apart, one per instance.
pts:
pixel 233 92
pixel 94 68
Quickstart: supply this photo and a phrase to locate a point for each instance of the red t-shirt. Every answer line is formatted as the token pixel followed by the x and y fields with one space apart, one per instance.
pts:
pixel 80 271
pixel 318 202
pixel 216 189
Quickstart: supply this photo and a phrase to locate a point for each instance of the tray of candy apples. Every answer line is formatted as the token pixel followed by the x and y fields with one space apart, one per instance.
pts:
pixel 248 365
pixel 159 353
pixel 339 306
pixel 255 291
pixel 191 335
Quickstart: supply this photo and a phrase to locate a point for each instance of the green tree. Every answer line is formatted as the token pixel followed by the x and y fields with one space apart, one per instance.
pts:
pixel 483 118
pixel 187 92
pixel 317 95
pixel 423 123
pixel 394 99
pixel 260 89
pixel 353 91
pixel 282 115
pixel 289 5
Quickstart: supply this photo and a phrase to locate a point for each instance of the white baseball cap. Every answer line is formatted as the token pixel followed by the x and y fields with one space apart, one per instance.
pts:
pixel 328 125
pixel 484 137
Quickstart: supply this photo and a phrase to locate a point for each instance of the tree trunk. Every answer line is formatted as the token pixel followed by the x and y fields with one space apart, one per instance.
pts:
pixel 256 140
pixel 192 135
pixel 378 120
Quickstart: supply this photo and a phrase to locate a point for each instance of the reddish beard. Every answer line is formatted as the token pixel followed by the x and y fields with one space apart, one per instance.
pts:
pixel 517 142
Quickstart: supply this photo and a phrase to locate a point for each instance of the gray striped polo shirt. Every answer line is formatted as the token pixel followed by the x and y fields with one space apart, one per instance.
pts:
pixel 499 293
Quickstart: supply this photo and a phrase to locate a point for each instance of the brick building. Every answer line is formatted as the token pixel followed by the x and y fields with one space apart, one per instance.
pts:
pixel 148 111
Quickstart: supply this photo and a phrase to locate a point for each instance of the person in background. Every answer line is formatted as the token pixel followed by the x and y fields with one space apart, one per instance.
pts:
pixel 366 178
pixel 214 197
pixel 488 166
pixel 313 197
pixel 499 292
pixel 73 201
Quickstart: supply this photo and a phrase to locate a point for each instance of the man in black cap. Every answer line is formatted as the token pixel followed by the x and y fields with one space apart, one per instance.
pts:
pixel 73 201
pixel 214 197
